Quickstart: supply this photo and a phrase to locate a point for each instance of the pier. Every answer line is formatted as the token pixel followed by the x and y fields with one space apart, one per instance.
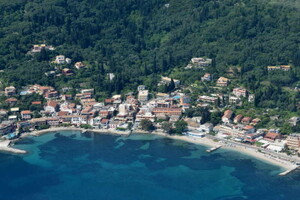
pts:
pixel 288 171
pixel 5 146
pixel 213 149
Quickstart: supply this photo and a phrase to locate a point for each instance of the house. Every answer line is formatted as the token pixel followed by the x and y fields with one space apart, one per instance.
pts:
pixel 104 123
pixel 3 113
pixel 240 92
pixel 67 72
pixel 208 99
pixel 273 68
pixel 222 82
pixel 38 121
pixel 293 141
pixel 143 95
pixel 105 113
pixel 51 94
pixel 53 121
pixel 285 67
pixel 68 60
pixel 36 103
pixel 294 120
pixel 108 101
pixel 11 101
pixel 167 111
pixel 255 121
pixel 227 116
pixel 91 90
pixel 79 119
pixel 251 98
pixel 66 97
pixel 207 127
pixel 249 129
pixel 142 114
pixel 51 107
pixel 272 136
pixel 10 91
pixel 206 77
pixel 280 67
pixel 114 124
pixel 95 122
pixel 60 59
pixel 79 65
pixel 234 99
pixel 37 48
pixel 237 119
pixel 87 111
pixel 26 114
pixel 167 81
pixel 246 120
pixel 199 63
pixel 141 87
pixel 7 127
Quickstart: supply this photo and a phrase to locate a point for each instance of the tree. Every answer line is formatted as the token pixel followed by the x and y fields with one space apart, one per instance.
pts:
pixel 171 86
pixel 167 127
pixel 86 126
pixel 215 117
pixel 180 127
pixel 147 125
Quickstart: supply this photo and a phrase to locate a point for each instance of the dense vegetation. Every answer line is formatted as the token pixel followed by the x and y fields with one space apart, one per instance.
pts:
pixel 139 39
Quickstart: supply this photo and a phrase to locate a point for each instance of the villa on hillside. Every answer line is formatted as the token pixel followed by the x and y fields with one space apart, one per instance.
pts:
pixel 222 82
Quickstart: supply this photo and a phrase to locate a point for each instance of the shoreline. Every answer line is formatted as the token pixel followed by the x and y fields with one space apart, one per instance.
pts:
pixel 284 165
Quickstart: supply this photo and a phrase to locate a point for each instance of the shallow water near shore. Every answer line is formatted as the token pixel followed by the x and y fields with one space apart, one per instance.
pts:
pixel 70 165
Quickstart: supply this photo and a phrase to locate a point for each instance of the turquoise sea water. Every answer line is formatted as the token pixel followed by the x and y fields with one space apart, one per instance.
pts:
pixel 71 166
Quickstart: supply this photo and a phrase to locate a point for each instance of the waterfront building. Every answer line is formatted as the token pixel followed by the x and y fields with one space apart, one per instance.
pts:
pixel 206 128
pixel 293 141
pixel 7 127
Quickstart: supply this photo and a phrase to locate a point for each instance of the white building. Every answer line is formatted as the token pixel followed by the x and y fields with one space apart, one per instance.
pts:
pixel 240 92
pixel 206 128
pixel 61 59
pixel 143 95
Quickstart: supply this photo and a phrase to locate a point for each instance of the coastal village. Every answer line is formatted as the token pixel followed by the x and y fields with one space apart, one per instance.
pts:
pixel 126 113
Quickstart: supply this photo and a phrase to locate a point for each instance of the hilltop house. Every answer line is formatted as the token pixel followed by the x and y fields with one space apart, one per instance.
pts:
pixel 10 91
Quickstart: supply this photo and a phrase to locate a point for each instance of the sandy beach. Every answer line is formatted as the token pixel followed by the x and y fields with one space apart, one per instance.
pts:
pixel 285 165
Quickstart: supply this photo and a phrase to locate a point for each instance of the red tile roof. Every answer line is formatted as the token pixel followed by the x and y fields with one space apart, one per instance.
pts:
pixel 26 112
pixel 36 102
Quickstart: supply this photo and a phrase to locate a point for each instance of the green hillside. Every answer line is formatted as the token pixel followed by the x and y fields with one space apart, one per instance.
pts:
pixel 140 39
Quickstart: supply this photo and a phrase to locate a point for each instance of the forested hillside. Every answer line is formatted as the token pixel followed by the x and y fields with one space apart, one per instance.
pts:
pixel 140 39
